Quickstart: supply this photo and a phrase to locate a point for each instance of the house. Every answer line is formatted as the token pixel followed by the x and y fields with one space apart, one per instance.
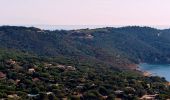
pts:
pixel 17 81
pixel 130 88
pixel 31 70
pixel 54 84
pixel 149 86
pixel 118 92
pixel 80 87
pixel 32 95
pixel 13 96
pixel 93 85
pixel 11 62
pixel 89 36
pixel 149 97
pixel 47 65
pixel 48 93
pixel 70 68
pixel 104 97
pixel 168 83
pixel 61 66
pixel 35 79
pixel 147 74
pixel 2 75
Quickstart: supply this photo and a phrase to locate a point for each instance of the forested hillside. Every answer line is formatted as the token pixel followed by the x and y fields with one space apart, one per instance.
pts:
pixel 86 64
pixel 25 76
pixel 115 46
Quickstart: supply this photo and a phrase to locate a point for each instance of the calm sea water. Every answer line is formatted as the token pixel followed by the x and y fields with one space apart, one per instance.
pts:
pixel 72 27
pixel 159 70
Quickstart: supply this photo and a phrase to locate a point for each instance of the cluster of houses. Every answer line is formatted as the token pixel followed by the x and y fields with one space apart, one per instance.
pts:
pixel 16 97
pixel 79 34
pixel 79 87
pixel 67 68
pixel 119 93
pixel 33 69
pixel 59 66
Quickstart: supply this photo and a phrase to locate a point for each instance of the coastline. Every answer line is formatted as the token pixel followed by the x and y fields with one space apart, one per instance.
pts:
pixel 136 67
pixel 143 72
pixel 147 73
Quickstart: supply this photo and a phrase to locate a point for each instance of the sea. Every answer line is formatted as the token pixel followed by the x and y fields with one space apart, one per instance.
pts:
pixel 162 70
pixel 74 27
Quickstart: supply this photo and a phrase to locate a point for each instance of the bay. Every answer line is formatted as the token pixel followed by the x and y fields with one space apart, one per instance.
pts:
pixel 162 70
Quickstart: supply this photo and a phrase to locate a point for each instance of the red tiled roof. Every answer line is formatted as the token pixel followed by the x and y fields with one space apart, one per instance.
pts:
pixel 2 75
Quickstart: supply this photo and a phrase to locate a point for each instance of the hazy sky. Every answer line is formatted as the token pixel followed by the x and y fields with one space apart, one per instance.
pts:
pixel 85 12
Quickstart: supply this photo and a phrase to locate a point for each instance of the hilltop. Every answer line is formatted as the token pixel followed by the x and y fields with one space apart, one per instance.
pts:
pixel 125 45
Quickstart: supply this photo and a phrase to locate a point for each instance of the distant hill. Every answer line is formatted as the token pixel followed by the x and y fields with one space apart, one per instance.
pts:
pixel 113 46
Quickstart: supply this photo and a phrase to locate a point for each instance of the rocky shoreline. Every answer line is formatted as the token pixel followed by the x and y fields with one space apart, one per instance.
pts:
pixel 144 72
pixel 147 73
pixel 136 68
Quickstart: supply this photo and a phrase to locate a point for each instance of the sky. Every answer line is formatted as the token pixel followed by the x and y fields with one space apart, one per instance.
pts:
pixel 84 12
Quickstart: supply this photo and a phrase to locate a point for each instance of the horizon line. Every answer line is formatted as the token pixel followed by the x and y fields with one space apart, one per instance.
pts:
pixel 74 27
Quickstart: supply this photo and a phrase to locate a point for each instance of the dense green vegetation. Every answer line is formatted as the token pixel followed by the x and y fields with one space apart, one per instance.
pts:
pixel 111 45
pixel 33 77
pixel 87 64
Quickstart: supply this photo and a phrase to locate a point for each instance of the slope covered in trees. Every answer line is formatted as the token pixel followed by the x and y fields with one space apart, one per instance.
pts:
pixel 25 76
pixel 81 64
pixel 113 46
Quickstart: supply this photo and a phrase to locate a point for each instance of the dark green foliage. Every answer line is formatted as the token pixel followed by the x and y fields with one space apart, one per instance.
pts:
pixel 111 45
pixel 89 81
pixel 30 59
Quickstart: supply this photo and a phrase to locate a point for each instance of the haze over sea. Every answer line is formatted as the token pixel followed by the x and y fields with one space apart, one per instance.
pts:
pixel 73 27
